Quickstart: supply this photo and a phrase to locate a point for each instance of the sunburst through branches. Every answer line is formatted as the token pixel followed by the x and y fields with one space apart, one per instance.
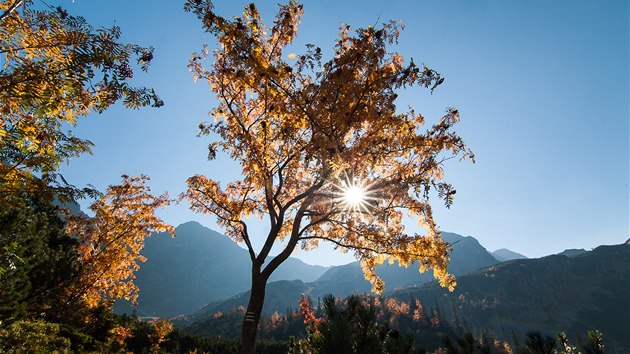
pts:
pixel 355 195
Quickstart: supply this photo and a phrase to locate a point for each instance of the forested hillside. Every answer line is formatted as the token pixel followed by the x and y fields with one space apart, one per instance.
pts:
pixel 551 294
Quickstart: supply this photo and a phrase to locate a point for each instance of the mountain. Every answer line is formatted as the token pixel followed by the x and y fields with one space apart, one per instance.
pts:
pixel 279 296
pixel 467 256
pixel 550 294
pixel 572 252
pixel 295 269
pixel 505 254
pixel 71 206
pixel 196 267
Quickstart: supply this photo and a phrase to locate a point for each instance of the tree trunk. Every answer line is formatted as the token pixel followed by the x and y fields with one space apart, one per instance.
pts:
pixel 254 310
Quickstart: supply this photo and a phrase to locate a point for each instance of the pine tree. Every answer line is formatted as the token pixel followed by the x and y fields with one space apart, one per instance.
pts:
pixel 536 343
pixel 38 259
pixel 595 344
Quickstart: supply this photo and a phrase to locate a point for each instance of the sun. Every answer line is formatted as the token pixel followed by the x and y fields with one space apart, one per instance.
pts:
pixel 354 195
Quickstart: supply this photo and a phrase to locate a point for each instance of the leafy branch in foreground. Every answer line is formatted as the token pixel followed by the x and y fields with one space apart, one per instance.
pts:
pixel 111 241
pixel 55 68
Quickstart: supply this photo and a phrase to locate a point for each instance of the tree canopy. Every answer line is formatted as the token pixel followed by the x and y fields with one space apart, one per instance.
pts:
pixel 55 68
pixel 37 259
pixel 307 133
pixel 304 130
pixel 111 241
pixel 59 273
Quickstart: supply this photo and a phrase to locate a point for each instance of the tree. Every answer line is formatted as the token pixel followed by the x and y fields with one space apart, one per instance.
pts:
pixel 539 343
pixel 325 154
pixel 161 328
pixel 68 270
pixel 350 326
pixel 37 260
pixel 111 241
pixel 55 69
pixel 65 270
pixel 595 344
pixel 34 337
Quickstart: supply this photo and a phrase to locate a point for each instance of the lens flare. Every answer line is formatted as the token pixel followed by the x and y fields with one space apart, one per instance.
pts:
pixel 354 195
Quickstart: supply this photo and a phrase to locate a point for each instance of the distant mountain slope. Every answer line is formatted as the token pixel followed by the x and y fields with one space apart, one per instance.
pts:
pixel 295 269
pixel 468 255
pixel 572 252
pixel 550 294
pixel 280 295
pixel 198 266
pixel 505 254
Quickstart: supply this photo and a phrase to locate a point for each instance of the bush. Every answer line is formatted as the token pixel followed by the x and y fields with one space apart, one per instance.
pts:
pixel 33 337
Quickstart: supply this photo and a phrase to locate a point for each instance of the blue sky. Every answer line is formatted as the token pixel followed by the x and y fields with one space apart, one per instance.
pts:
pixel 542 87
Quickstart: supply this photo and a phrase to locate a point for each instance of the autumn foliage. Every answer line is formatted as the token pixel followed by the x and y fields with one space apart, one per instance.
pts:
pixel 56 68
pixel 59 273
pixel 111 241
pixel 301 128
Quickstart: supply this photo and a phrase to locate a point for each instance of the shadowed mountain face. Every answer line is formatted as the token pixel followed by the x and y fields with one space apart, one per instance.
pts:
pixel 468 255
pixel 199 266
pixel 279 296
pixel 557 293
pixel 572 252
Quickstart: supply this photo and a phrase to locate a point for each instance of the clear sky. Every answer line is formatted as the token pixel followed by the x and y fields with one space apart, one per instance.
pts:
pixel 542 87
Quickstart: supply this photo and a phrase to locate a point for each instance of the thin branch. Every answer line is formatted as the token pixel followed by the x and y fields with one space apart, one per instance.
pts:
pixel 269 199
pixel 11 8
pixel 279 259
pixel 322 219
pixel 343 245
pixel 306 193
pixel 244 232
pixel 363 248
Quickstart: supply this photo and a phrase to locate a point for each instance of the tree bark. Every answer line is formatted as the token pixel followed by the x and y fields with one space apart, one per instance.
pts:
pixel 254 310
pixel 259 283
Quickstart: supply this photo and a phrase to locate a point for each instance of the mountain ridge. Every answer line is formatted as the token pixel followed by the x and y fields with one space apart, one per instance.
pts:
pixel 201 266
pixel 576 293
pixel 196 267
pixel 467 256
